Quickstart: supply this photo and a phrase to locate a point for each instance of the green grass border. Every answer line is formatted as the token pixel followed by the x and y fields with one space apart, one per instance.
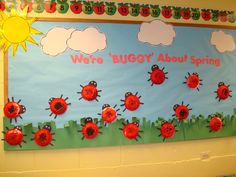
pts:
pixel 68 137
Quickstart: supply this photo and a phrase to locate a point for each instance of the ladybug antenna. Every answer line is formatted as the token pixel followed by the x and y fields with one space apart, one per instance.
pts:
pixel 19 101
pixel 8 100
pixel 61 96
pixel 12 99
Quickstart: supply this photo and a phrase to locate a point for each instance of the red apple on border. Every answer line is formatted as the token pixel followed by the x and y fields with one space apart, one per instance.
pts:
pixel 2 5
pixel 186 13
pixel 206 14
pixel 223 16
pixel 99 8
pixel 123 9
pixel 145 10
pixel 166 11
pixel 76 6
pixel 25 3
pixel 50 6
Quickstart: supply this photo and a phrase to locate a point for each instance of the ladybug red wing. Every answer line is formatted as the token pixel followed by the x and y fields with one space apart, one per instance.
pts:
pixel 14 136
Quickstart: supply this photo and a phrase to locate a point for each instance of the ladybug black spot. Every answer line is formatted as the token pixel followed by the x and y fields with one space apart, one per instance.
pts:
pixel 11 109
pixel 42 137
pixel 58 106
pixel 90 131
pixel 182 113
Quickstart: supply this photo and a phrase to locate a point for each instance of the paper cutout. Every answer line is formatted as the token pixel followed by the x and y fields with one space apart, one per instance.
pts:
pixel 215 123
pixel 156 33
pixel 157 75
pixel 43 137
pixel 222 41
pixel 54 42
pixel 12 110
pixel 167 130
pixel 223 92
pixel 16 31
pixel 181 111
pixel 109 114
pixel 14 136
pixel 58 106
pixel 193 81
pixel 90 129
pixel 87 41
pixel 89 92
pixel 131 101
pixel 131 130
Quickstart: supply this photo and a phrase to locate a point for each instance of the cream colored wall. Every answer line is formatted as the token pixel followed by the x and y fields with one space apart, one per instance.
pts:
pixel 206 158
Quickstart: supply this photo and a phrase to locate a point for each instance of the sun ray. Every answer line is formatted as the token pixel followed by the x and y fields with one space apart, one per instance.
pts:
pixel 2 42
pixel 35 31
pixel 3 15
pixel 24 12
pixel 30 39
pixel 14 49
pixel 23 45
pixel 13 12
pixel 6 46
pixel 31 20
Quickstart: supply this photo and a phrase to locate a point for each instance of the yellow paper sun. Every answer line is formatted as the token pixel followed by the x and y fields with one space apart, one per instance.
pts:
pixel 15 30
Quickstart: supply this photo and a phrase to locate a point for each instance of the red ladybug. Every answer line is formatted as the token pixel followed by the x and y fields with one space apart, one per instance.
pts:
pixel 14 136
pixel 109 114
pixel 131 102
pixel 90 91
pixel 215 123
pixel 223 92
pixel 193 81
pixel 131 130
pixel 43 137
pixel 58 106
pixel 90 130
pixel 13 110
pixel 181 111
pixel 157 75
pixel 167 130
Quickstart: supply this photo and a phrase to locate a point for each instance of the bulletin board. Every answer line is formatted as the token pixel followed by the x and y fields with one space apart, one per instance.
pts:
pixel 87 84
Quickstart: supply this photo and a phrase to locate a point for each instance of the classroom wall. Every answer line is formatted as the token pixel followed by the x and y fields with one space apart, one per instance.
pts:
pixel 202 158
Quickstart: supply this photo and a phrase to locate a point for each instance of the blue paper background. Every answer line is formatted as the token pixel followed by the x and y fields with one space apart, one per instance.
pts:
pixel 34 76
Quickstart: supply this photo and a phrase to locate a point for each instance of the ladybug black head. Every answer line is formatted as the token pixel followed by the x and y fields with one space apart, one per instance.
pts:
pixel 155 67
pixel 175 106
pixel 18 128
pixel 105 106
pixel 47 127
pixel 88 120
pixel 221 83
pixel 128 94
pixel 93 83
pixel 23 109
pixel 196 74
pixel 50 100
pixel 136 123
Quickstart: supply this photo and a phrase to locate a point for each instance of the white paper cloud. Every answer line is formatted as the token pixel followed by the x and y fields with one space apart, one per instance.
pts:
pixel 156 32
pixel 222 41
pixel 88 41
pixel 54 42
